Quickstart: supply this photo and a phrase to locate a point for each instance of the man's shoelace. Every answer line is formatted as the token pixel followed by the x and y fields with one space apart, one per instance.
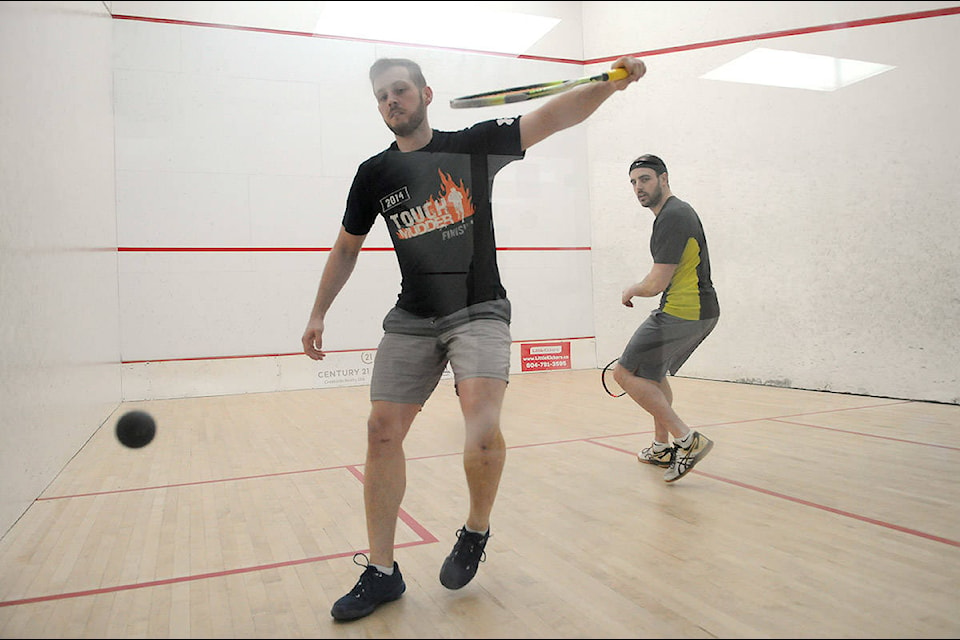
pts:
pixel 467 544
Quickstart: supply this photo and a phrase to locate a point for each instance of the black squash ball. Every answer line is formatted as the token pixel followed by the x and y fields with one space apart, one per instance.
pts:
pixel 136 429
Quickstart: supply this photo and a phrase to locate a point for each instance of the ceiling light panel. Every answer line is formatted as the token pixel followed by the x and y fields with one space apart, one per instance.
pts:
pixel 452 25
pixel 795 70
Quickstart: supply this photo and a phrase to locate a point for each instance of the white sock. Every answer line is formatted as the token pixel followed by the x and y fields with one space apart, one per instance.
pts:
pixel 482 533
pixel 384 570
pixel 660 446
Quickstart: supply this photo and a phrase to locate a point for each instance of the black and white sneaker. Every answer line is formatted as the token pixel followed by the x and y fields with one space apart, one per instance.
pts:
pixel 660 456
pixel 685 457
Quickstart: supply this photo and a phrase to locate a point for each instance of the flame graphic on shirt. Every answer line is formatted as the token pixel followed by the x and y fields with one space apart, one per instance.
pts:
pixel 451 206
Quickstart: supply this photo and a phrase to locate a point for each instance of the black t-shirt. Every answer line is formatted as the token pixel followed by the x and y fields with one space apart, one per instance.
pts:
pixel 436 204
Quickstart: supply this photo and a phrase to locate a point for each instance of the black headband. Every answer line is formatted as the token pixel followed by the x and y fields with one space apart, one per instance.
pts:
pixel 649 162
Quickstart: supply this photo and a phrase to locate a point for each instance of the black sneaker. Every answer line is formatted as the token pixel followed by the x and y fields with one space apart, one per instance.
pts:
pixel 372 589
pixel 461 565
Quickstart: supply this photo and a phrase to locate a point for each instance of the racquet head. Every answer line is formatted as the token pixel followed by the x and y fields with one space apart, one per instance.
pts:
pixel 532 91
pixel 609 384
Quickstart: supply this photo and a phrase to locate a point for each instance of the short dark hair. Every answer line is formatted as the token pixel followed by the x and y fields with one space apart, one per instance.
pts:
pixel 416 74
pixel 649 161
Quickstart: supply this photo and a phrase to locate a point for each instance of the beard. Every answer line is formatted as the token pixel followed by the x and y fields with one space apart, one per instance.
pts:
pixel 413 122
pixel 655 197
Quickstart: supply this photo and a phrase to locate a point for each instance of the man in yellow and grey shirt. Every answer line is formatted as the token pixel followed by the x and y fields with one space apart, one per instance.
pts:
pixel 688 312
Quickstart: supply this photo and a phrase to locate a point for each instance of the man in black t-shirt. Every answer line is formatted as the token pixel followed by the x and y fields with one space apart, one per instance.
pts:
pixel 687 314
pixel 432 189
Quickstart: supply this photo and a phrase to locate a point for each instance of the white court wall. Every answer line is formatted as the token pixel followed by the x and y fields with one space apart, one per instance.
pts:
pixel 832 217
pixel 235 152
pixel 241 139
pixel 59 313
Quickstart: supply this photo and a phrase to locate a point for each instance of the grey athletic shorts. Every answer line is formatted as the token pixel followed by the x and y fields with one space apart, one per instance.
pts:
pixel 663 343
pixel 414 350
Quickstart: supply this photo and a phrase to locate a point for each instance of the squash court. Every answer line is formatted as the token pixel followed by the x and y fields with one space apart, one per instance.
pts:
pixel 816 515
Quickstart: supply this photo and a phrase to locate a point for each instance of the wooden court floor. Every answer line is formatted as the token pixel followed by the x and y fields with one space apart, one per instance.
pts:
pixel 817 515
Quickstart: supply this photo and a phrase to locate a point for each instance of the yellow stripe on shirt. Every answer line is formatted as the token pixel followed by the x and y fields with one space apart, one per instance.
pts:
pixel 683 293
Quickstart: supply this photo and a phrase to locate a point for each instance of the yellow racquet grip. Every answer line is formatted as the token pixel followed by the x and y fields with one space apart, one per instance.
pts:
pixel 616 74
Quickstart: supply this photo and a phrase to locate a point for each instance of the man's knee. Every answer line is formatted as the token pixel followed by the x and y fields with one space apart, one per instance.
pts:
pixel 481 397
pixel 622 375
pixel 389 421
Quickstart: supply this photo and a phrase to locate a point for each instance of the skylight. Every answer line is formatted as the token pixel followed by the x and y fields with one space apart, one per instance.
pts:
pixel 451 24
pixel 795 70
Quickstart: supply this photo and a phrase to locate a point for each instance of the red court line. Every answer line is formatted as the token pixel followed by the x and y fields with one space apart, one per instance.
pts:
pixel 836 26
pixel 591 439
pixel 201 576
pixel 253 355
pixel 234 249
pixel 425 538
pixel 300 353
pixel 544 248
pixel 747 420
pixel 807 503
pixel 352 468
pixel 869 435
pixel 846 514
pixel 302 249
pixel 258 476
pixel 813 413
pixel 322 36
pixel 165 581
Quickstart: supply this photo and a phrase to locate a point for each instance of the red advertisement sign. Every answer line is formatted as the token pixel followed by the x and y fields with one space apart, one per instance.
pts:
pixel 544 356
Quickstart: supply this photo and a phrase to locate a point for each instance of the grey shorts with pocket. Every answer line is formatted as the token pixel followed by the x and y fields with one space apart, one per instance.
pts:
pixel 662 344
pixel 415 350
